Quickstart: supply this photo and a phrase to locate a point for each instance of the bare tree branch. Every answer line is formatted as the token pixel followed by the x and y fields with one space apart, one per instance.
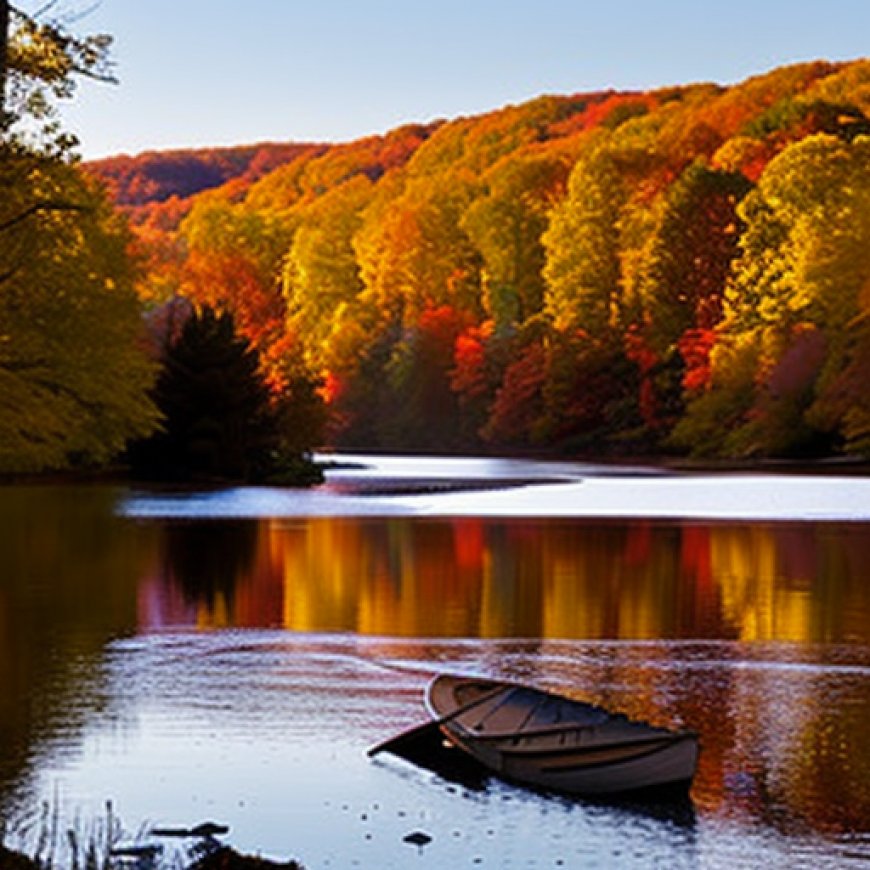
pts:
pixel 48 205
pixel 45 9
pixel 22 365
pixel 104 77
pixel 4 59
pixel 75 17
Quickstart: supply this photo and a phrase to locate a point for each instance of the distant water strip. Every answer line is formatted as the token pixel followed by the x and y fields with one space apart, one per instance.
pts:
pixel 436 487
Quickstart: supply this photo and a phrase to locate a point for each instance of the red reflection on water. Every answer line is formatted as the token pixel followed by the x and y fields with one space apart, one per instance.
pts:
pixel 541 578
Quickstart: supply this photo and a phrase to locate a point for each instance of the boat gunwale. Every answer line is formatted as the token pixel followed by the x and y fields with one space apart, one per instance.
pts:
pixel 545 730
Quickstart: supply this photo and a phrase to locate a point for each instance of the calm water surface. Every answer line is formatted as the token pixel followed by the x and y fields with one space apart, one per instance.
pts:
pixel 231 655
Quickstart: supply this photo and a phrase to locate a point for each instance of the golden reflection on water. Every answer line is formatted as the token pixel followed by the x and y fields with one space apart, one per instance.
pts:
pixel 485 579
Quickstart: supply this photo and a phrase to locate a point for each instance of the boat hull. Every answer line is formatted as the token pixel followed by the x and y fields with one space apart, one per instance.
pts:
pixel 586 751
pixel 671 764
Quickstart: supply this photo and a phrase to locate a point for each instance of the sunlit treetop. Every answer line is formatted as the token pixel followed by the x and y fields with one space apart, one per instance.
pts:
pixel 41 59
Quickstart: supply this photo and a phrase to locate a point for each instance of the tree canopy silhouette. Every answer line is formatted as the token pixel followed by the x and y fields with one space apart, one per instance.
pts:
pixel 220 421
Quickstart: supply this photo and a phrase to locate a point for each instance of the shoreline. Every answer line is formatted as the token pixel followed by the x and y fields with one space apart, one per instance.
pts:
pixel 220 858
pixel 843 466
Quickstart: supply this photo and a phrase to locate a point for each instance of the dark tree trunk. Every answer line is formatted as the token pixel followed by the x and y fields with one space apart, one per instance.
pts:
pixel 4 53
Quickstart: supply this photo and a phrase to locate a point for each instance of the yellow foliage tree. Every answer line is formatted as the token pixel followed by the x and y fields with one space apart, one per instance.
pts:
pixel 793 306
pixel 73 378
pixel 73 374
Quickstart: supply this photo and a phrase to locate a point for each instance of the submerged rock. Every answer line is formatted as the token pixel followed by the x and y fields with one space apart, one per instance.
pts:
pixel 205 829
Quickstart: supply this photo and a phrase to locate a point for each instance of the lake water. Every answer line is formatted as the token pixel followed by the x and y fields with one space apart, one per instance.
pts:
pixel 230 655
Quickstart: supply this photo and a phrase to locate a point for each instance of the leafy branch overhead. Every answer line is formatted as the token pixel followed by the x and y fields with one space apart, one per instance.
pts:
pixel 74 377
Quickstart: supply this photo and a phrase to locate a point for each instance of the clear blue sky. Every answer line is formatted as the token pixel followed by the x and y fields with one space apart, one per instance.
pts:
pixel 212 72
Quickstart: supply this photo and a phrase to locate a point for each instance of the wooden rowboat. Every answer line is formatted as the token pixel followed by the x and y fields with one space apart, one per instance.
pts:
pixel 551 742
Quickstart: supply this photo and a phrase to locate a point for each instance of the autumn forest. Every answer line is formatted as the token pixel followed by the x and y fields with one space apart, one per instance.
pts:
pixel 683 271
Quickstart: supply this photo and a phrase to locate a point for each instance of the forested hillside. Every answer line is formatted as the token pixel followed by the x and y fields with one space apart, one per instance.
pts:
pixel 686 269
pixel 159 175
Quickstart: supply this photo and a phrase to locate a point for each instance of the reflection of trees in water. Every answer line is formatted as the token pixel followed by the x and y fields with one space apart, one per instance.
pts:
pixel 572 579
pixel 68 574
pixel 209 559
pixel 792 582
